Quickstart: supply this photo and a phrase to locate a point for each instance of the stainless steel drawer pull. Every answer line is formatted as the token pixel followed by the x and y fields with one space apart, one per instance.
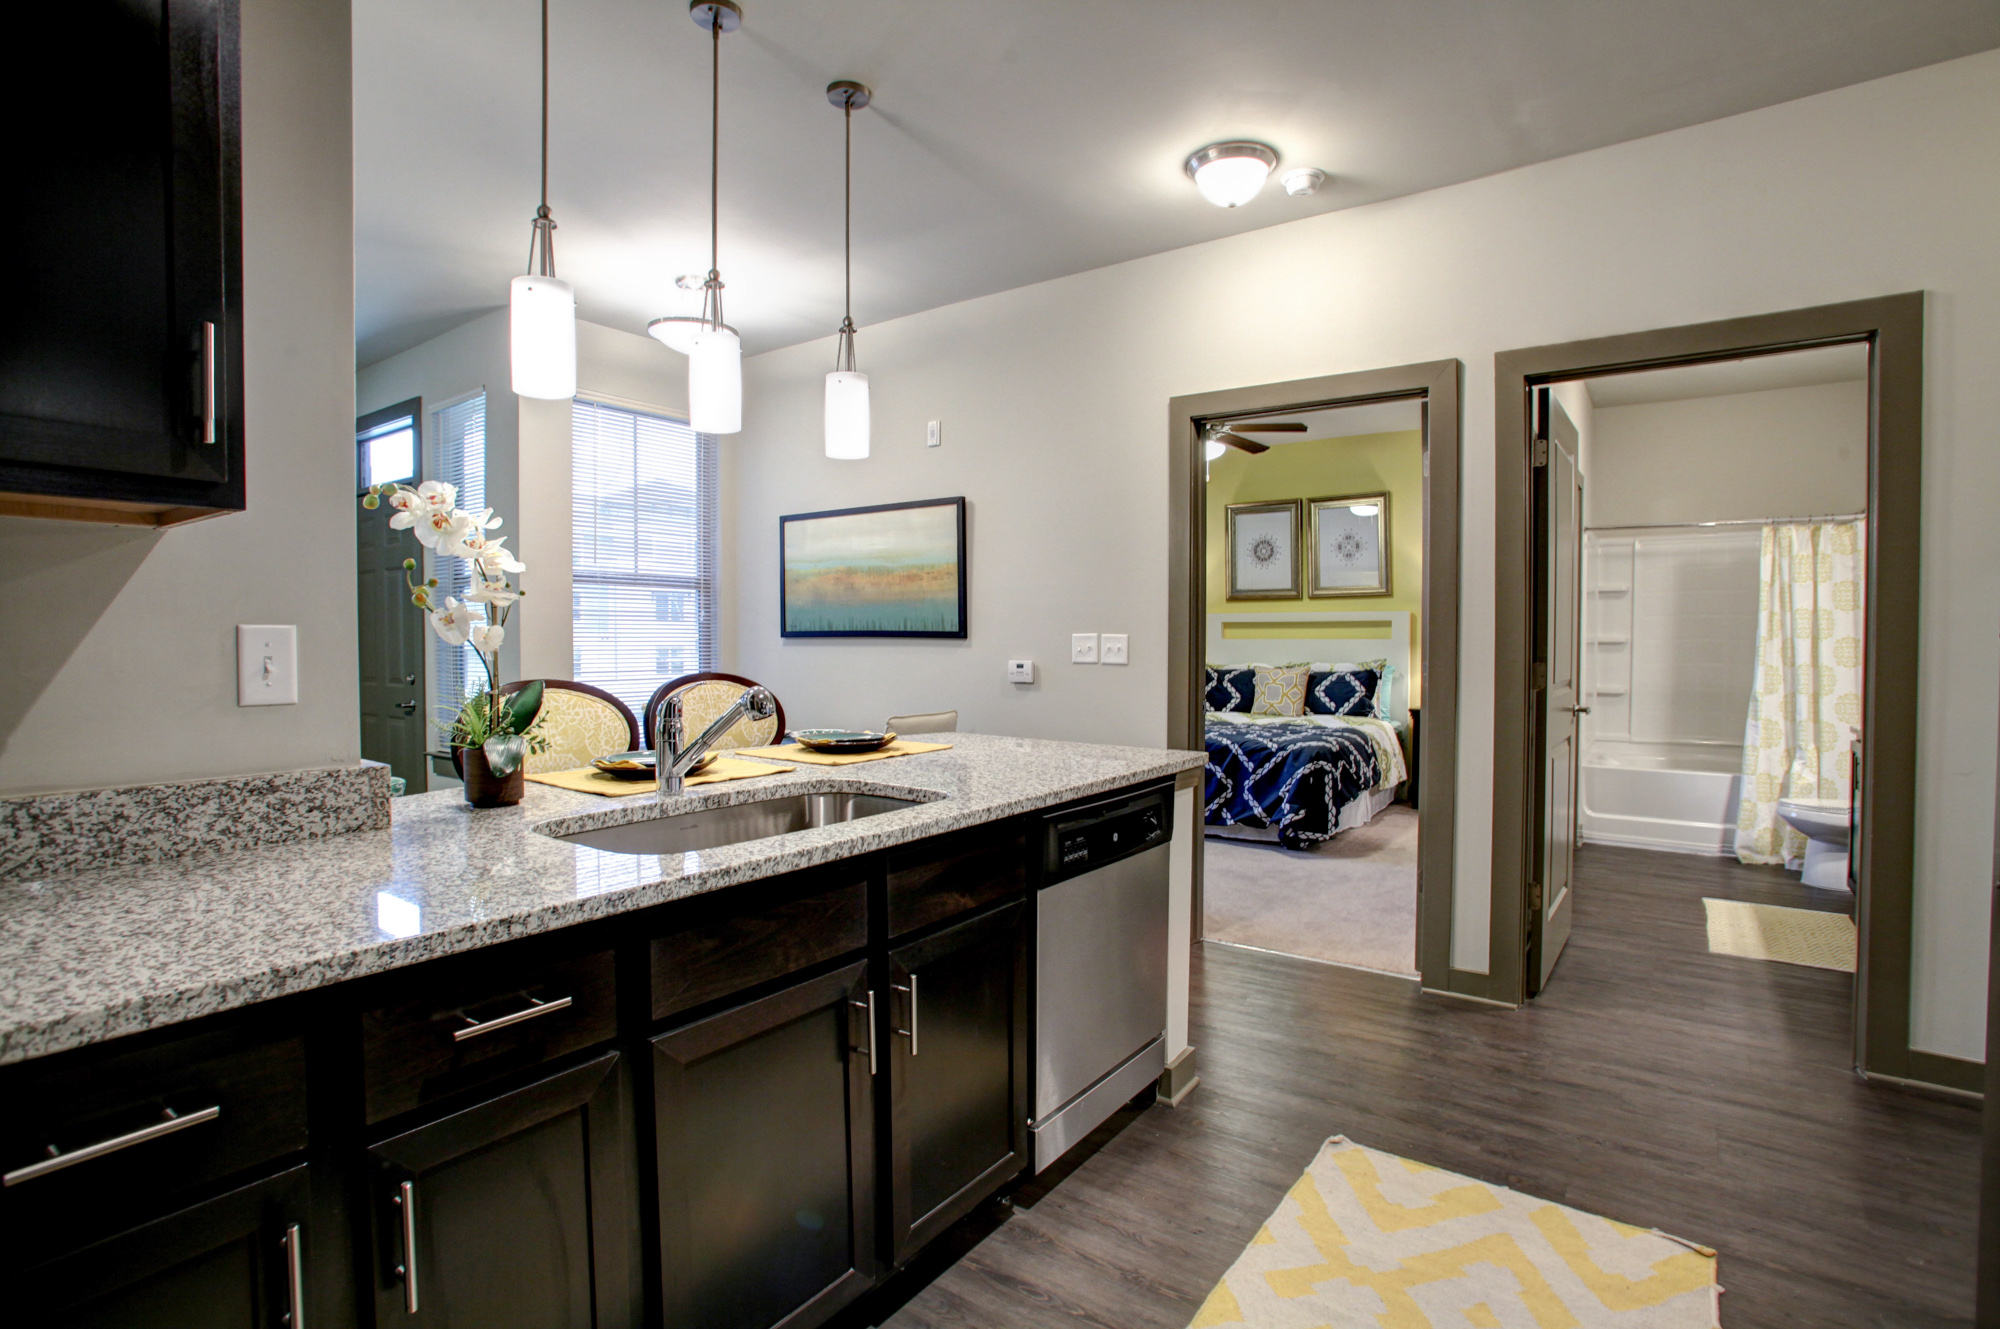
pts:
pixel 405 1199
pixel 57 1160
pixel 911 1032
pixel 869 1007
pixel 295 1279
pixel 474 1028
pixel 208 382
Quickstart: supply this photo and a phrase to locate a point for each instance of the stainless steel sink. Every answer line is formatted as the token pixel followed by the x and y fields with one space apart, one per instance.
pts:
pixel 711 828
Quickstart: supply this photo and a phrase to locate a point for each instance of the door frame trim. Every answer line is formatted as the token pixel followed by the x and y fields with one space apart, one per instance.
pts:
pixel 1893 327
pixel 1436 384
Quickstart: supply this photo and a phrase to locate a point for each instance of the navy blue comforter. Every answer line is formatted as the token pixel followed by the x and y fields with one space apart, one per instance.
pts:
pixel 1292 778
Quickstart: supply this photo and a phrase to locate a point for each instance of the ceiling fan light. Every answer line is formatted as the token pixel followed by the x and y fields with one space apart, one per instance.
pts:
pixel 847 418
pixel 715 382
pixel 1231 174
pixel 1214 448
pixel 542 328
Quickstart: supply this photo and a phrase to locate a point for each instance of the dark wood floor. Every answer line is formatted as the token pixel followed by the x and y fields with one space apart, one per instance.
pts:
pixel 1653 1083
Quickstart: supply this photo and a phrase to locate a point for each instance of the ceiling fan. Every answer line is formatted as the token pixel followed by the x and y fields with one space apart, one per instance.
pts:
pixel 1231 435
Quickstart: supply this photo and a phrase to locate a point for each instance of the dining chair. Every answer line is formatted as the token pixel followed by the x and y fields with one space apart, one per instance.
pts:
pixel 579 722
pixel 708 695
pixel 932 722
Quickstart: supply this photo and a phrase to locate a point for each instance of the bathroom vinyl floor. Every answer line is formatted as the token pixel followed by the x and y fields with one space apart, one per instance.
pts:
pixel 1652 1082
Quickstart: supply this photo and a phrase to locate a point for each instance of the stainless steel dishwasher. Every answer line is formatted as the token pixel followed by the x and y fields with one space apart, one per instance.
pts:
pixel 1101 964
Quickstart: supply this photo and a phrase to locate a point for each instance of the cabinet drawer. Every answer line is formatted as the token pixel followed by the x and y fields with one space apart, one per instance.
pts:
pixel 933 880
pixel 477 1023
pixel 125 1130
pixel 757 933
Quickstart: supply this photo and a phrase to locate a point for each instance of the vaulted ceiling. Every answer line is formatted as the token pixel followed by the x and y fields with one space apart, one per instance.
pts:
pixel 1011 141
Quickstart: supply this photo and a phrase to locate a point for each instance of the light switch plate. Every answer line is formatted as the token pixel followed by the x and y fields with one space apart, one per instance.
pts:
pixel 934 434
pixel 1083 648
pixel 267 664
pixel 1020 671
pixel 1111 648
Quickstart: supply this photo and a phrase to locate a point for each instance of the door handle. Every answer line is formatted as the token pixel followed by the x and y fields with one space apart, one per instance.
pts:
pixel 205 406
pixel 474 1028
pixel 295 1279
pixel 911 1032
pixel 405 1199
pixel 869 1007
pixel 407 707
pixel 1579 710
pixel 57 1160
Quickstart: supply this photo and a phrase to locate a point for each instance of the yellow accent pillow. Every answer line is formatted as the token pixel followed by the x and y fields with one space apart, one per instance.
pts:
pixel 1281 690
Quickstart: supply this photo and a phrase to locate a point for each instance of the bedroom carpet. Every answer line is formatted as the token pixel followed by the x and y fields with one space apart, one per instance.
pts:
pixel 1352 900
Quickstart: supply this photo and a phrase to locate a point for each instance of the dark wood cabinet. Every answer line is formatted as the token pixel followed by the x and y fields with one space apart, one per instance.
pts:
pixel 958 1070
pixel 518 1211
pixel 121 338
pixel 238 1261
pixel 765 1118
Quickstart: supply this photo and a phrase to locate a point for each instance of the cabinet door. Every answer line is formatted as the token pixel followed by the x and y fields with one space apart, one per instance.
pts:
pixel 122 332
pixel 766 1117
pixel 958 1067
pixel 235 1262
pixel 516 1212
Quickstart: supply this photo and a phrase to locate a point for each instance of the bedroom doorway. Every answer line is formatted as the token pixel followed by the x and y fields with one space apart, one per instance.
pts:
pixel 1314 642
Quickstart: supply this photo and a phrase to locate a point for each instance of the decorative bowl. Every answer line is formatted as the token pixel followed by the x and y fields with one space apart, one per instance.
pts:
pixel 842 740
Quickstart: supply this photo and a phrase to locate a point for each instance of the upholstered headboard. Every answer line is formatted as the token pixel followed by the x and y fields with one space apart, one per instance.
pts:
pixel 1308 638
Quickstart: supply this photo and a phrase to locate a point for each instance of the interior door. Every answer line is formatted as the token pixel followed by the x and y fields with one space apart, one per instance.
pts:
pixel 389 446
pixel 1559 519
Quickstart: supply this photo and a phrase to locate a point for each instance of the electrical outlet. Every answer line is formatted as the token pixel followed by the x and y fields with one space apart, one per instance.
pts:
pixel 1020 671
pixel 1083 648
pixel 267 664
pixel 934 434
pixel 1111 648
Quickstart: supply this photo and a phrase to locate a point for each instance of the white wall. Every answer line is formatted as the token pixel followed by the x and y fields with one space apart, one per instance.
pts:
pixel 1054 402
pixel 1788 452
pixel 118 645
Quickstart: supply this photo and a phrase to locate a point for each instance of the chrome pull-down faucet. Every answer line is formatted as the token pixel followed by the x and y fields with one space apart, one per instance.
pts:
pixel 671 761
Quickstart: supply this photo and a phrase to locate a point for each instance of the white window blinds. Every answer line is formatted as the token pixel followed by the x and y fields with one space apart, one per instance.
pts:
pixel 642 528
pixel 460 431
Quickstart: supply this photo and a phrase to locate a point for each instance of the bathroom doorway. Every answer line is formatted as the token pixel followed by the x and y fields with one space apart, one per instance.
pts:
pixel 1745 595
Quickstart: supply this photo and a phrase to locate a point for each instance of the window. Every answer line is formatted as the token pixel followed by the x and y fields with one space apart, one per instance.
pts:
pixel 461 462
pixel 642 526
pixel 389 450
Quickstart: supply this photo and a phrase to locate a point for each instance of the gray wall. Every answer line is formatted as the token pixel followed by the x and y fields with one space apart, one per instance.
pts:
pixel 117 645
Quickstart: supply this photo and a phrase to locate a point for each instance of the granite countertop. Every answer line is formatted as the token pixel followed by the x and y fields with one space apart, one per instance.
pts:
pixel 95 955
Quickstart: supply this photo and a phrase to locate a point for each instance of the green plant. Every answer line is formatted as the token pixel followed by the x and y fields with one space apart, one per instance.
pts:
pixel 484 715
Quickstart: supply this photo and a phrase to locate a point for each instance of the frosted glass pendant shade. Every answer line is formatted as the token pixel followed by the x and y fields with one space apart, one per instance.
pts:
pixel 715 382
pixel 846 415
pixel 543 322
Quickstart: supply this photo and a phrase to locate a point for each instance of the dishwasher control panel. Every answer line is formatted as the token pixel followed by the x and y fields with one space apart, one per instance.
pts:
pixel 1083 839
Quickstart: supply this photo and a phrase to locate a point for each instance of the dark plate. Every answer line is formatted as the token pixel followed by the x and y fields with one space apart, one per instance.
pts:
pixel 842 740
pixel 638 765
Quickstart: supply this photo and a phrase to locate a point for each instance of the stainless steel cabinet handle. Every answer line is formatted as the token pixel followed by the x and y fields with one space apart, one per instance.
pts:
pixel 57 1161
pixel 295 1279
pixel 868 1006
pixel 911 1032
pixel 208 383
pixel 405 1199
pixel 475 1028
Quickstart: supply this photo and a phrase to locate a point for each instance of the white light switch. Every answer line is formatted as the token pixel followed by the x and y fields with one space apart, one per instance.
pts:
pixel 1020 671
pixel 1083 648
pixel 934 434
pixel 1112 648
pixel 267 664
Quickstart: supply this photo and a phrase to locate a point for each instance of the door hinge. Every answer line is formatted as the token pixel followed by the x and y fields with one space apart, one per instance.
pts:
pixel 1541 676
pixel 1541 453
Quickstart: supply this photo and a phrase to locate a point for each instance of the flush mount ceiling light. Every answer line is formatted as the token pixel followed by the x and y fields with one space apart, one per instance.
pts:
pixel 542 310
pixel 1230 174
pixel 715 353
pixel 847 387
pixel 676 331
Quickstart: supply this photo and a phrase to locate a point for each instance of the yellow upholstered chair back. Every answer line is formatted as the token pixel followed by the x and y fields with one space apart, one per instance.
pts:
pixel 579 727
pixel 706 697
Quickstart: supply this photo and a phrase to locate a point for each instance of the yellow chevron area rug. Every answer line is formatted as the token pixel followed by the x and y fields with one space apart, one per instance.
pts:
pixel 1367 1240
pixel 1811 937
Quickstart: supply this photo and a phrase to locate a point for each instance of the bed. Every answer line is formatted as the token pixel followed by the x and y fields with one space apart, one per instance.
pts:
pixel 1301 780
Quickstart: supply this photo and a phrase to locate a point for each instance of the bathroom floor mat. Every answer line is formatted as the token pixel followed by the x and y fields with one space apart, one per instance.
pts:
pixel 1772 932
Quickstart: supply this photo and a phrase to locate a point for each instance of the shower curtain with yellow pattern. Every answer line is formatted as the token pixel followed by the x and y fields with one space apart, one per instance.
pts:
pixel 1805 705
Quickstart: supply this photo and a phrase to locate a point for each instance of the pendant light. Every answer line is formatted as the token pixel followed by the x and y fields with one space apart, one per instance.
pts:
pixel 715 353
pixel 542 309
pixel 846 387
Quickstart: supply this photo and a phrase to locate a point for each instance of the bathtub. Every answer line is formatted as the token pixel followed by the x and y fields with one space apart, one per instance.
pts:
pixel 1661 795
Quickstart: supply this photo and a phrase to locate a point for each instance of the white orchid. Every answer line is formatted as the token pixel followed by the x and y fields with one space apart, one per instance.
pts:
pixel 486 637
pixel 492 592
pixel 493 557
pixel 442 528
pixel 438 496
pixel 454 622
pixel 409 506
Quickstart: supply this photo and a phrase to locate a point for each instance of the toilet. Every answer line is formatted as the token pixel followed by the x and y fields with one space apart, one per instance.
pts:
pixel 1823 821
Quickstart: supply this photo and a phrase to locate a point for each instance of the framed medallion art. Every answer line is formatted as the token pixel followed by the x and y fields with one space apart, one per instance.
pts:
pixel 1264 550
pixel 1350 546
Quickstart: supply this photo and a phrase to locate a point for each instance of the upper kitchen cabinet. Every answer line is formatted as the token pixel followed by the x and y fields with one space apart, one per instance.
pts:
pixel 121 339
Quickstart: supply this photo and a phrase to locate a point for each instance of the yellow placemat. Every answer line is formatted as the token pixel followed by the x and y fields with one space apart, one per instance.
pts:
pixel 902 747
pixel 589 780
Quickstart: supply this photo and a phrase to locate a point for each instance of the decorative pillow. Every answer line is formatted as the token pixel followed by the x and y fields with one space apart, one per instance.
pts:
pixel 1281 690
pixel 1385 677
pixel 1343 690
pixel 1231 689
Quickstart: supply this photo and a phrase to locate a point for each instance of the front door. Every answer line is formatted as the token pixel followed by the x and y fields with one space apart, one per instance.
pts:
pixel 388 446
pixel 1559 517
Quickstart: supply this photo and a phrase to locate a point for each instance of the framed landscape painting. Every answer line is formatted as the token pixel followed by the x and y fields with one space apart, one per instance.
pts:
pixel 895 570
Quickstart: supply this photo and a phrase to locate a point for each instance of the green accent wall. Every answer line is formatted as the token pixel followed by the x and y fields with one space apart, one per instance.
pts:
pixel 1328 468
